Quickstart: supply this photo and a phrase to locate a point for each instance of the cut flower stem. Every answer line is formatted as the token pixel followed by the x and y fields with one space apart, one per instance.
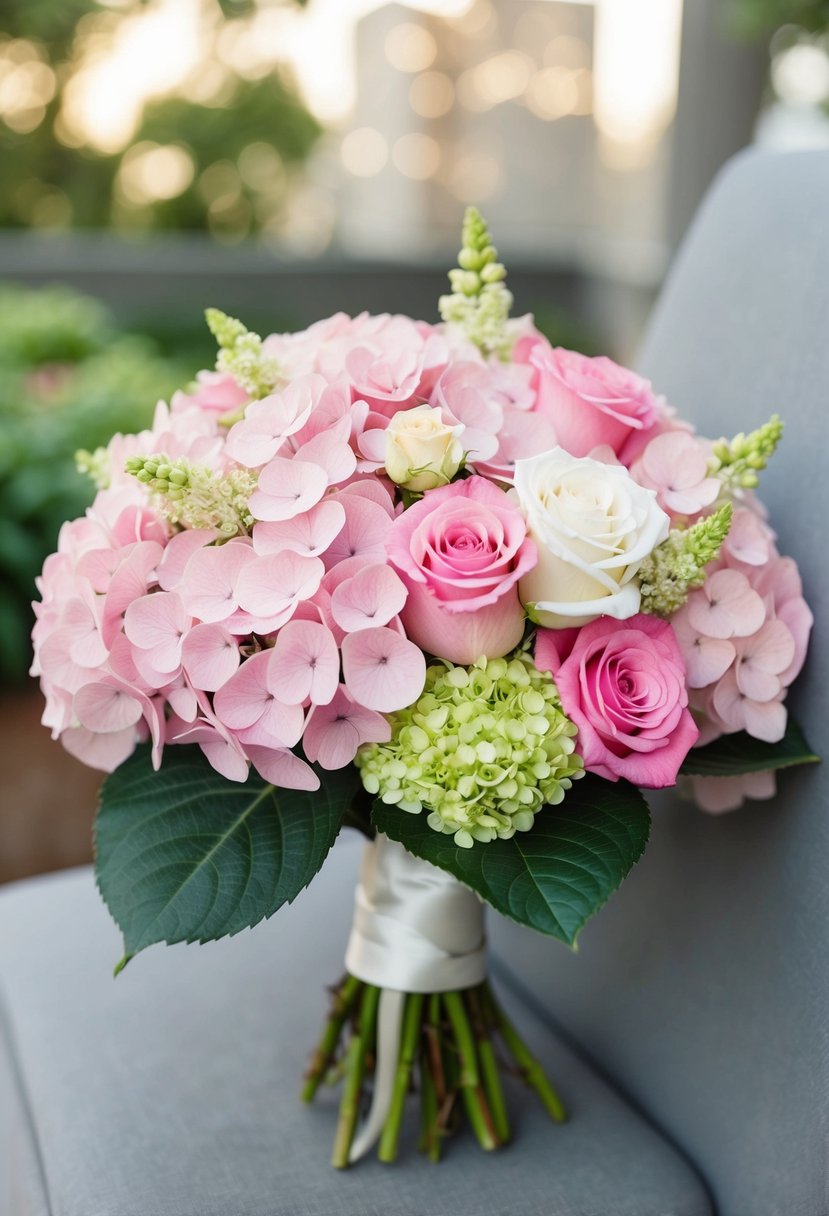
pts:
pixel 446 1053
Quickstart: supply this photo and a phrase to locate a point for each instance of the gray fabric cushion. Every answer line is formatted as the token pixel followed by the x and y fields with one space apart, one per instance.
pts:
pixel 704 986
pixel 173 1090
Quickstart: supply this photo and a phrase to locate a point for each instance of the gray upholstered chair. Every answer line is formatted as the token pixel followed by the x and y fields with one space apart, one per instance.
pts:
pixel 689 1034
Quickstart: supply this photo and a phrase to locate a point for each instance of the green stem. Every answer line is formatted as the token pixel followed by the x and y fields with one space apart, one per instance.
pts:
pixel 480 1117
pixel 344 998
pixel 528 1065
pixel 432 1032
pixel 358 1048
pixel 489 1067
pixel 402 1079
pixel 458 1020
pixel 430 1109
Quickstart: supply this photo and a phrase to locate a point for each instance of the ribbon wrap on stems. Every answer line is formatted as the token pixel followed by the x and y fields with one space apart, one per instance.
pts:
pixel 415 929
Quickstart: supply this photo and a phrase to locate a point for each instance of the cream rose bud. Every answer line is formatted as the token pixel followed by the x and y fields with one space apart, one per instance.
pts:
pixel 422 451
pixel 593 526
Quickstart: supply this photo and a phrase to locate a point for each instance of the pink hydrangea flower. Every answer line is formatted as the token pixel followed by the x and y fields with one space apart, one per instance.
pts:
pixel 675 464
pixel 744 635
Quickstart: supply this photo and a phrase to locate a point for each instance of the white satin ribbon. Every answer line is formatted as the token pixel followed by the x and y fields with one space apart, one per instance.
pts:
pixel 416 929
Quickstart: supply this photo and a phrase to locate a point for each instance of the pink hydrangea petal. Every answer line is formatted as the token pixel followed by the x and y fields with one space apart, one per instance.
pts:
pixel 382 670
pixel 334 732
pixel 372 489
pixel 88 649
pixel 210 656
pixel 692 501
pixel 372 445
pixel 228 760
pixel 762 658
pixel 104 752
pixel 368 600
pixel 282 768
pixel 706 659
pixel 308 534
pixel 105 707
pixel 726 606
pixel 287 488
pixel 765 720
pixel 208 585
pixel 279 722
pixel 268 424
pixel 177 554
pixel 306 663
pixel 797 616
pixel 273 586
pixel 98 566
pixel 132 579
pixel 367 525
pixel 332 452
pixel 241 701
pixel 183 701
pixel 157 623
pixel 749 539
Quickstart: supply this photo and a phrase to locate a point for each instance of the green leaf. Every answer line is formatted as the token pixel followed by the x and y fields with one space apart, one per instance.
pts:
pixel 186 855
pixel 739 753
pixel 554 877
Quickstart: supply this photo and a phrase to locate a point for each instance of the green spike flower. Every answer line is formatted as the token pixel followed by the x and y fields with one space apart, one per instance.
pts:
pixel 738 461
pixel 194 496
pixel 483 750
pixel 480 301
pixel 677 566
pixel 241 354
pixel 95 465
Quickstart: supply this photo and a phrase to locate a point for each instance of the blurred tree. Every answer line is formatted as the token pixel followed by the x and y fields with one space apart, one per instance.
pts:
pixel 756 18
pixel 216 145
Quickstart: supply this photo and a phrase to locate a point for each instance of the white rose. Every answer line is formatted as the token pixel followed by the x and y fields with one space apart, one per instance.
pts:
pixel 422 451
pixel 593 526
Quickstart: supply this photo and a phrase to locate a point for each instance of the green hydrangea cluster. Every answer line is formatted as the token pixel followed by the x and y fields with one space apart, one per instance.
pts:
pixel 483 749
pixel 194 496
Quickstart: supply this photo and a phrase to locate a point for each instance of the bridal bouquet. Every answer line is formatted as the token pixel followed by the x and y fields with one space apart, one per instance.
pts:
pixel 445 584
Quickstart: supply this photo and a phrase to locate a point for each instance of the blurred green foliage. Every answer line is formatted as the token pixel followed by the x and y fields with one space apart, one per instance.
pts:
pixel 68 379
pixel 52 177
pixel 759 18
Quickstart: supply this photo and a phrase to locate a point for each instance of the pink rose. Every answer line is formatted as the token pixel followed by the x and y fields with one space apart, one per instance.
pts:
pixel 461 551
pixel 624 687
pixel 592 402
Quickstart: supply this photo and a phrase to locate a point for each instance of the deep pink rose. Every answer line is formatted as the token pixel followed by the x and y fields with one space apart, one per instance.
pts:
pixel 592 402
pixel 624 687
pixel 461 551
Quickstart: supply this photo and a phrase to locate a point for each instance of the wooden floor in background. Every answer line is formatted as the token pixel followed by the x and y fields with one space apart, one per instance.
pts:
pixel 47 799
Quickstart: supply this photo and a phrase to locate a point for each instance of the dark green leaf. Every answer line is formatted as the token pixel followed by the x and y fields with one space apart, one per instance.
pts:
pixel 734 754
pixel 185 855
pixel 554 877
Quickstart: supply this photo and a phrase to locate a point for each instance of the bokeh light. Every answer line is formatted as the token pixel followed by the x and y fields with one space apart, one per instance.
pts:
pixel 416 155
pixel 410 47
pixel 364 152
